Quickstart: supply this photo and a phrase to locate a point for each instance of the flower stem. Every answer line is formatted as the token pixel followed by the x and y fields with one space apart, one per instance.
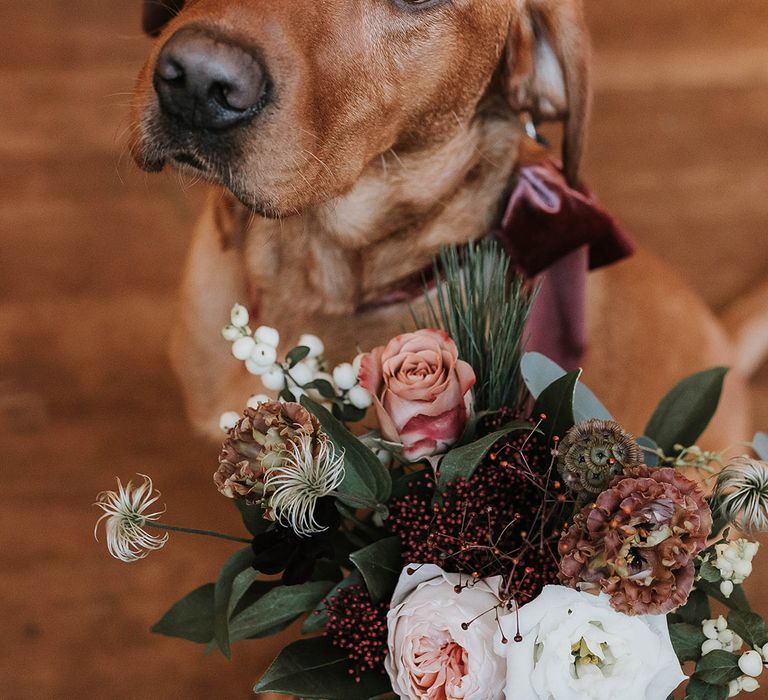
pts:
pixel 194 531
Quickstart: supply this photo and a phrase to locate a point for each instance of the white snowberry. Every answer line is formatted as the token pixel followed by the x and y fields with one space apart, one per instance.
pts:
pixel 360 398
pixel 264 354
pixel 751 663
pixel 274 379
pixel 243 347
pixel 301 374
pixel 256 368
pixel 710 645
pixel 709 629
pixel 748 684
pixel 734 688
pixel 315 345
pixel 228 420
pixel 268 336
pixel 344 376
pixel 231 333
pixel 239 316
pixel 258 399
pixel 726 588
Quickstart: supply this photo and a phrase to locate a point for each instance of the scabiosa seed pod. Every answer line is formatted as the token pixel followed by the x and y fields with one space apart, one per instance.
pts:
pixel 261 440
pixel 741 494
pixel 593 453
pixel 638 541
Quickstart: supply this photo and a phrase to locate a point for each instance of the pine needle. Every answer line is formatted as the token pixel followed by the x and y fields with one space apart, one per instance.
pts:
pixel 483 306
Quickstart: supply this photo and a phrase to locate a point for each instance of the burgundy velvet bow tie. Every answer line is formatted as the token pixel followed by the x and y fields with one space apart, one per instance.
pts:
pixel 554 234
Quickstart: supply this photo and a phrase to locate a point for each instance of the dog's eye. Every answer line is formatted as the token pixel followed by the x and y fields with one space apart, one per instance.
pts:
pixel 419 4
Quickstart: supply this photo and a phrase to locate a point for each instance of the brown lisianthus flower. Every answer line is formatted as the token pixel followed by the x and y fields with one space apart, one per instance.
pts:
pixel 261 439
pixel 638 541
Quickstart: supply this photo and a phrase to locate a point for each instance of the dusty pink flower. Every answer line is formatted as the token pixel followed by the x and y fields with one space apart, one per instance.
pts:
pixel 637 542
pixel 421 391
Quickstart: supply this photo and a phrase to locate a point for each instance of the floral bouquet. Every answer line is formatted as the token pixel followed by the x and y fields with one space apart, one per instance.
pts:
pixel 496 535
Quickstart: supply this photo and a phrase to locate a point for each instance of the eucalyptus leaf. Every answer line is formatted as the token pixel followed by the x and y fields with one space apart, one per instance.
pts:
pixel 278 609
pixel 556 403
pixel 381 565
pixel 313 668
pixel 461 462
pixel 684 413
pixel 649 448
pixel 539 372
pixel 686 640
pixel 699 690
pixel 366 481
pixel 237 563
pixel 240 586
pixel 718 667
pixel 190 618
pixel 760 445
pixel 749 626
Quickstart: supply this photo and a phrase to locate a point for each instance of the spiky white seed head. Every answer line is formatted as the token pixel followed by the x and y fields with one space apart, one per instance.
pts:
pixel 125 517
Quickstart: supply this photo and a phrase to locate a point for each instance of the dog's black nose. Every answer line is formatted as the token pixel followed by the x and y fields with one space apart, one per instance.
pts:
pixel 208 83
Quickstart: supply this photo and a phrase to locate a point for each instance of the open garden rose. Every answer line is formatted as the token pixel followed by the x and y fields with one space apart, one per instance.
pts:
pixel 431 656
pixel 576 647
pixel 421 391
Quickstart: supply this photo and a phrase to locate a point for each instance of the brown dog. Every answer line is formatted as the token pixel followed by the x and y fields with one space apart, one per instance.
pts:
pixel 350 139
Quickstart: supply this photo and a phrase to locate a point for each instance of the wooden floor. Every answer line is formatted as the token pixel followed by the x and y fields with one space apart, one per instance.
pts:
pixel 90 254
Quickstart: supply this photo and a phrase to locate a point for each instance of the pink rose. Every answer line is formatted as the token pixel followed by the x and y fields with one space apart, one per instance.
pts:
pixel 431 655
pixel 421 391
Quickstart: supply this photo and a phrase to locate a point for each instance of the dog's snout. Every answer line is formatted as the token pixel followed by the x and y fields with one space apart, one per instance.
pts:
pixel 208 83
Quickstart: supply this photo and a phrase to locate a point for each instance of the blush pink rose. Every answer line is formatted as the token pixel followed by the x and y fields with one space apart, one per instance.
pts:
pixel 421 391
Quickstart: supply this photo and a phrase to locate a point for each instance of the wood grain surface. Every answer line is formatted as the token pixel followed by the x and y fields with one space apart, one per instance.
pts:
pixel 90 256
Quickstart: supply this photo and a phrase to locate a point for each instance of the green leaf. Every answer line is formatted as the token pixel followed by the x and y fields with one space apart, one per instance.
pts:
pixel 253 517
pixel 297 355
pixel 381 565
pixel 760 445
pixel 240 586
pixel 539 372
pixel 235 564
pixel 556 402
pixel 649 447
pixel 736 601
pixel 699 690
pixel 190 618
pixel 686 640
pixel 313 668
pixel 366 482
pixel 685 412
pixel 749 626
pixel 462 461
pixel 319 619
pixel 324 387
pixel 709 572
pixel 718 667
pixel 277 609
pixel 696 608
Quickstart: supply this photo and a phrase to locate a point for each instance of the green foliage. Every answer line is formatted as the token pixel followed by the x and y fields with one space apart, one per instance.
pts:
pixel 736 601
pixel 556 403
pixel 367 484
pixel 686 640
pixel 749 626
pixel 313 668
pixel 277 609
pixel 190 618
pixel 539 372
pixel 380 565
pixel 237 563
pixel 483 306
pixel 699 690
pixel 718 667
pixel 297 355
pixel 695 610
pixel 685 412
pixel 461 462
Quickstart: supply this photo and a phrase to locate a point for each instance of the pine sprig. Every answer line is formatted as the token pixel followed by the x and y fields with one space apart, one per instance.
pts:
pixel 483 306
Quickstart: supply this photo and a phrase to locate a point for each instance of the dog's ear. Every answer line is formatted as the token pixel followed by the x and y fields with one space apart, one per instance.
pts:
pixel 547 70
pixel 157 13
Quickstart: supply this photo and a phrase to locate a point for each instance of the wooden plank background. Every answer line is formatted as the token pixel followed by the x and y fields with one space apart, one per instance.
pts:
pixel 90 254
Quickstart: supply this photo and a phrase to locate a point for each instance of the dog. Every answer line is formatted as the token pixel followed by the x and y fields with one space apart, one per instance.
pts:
pixel 348 140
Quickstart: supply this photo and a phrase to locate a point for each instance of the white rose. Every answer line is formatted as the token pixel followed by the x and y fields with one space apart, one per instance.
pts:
pixel 430 656
pixel 577 647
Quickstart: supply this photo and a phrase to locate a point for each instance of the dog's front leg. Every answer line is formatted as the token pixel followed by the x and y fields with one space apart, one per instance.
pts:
pixel 214 279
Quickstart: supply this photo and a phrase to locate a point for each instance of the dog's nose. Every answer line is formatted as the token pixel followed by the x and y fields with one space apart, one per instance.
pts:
pixel 208 83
